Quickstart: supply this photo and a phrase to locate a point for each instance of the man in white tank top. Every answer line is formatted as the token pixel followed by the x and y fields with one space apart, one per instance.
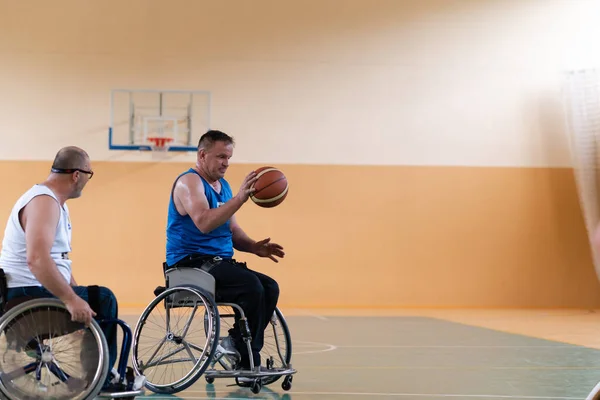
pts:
pixel 37 242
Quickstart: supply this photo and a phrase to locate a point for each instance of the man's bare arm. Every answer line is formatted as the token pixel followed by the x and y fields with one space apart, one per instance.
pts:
pixel 261 248
pixel 40 218
pixel 241 241
pixel 189 193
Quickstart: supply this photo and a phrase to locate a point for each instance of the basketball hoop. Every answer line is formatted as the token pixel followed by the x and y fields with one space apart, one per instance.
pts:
pixel 159 146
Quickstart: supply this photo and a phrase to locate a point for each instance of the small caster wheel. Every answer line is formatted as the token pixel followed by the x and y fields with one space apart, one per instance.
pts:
pixel 209 379
pixel 287 383
pixel 256 386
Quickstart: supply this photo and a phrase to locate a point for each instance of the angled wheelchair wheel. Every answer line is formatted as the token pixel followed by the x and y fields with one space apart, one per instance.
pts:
pixel 594 394
pixel 171 346
pixel 45 355
pixel 277 349
pixel 277 346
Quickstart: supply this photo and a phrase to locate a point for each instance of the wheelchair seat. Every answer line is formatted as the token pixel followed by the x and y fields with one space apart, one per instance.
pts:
pixel 191 277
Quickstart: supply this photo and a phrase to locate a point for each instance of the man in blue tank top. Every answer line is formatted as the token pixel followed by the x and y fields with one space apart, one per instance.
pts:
pixel 201 225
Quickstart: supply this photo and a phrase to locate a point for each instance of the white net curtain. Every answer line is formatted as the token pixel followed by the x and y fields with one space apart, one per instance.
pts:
pixel 582 107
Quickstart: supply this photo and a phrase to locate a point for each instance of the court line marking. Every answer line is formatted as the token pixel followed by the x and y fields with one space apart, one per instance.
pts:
pixel 450 367
pixel 457 346
pixel 314 315
pixel 331 347
pixel 442 395
pixel 328 347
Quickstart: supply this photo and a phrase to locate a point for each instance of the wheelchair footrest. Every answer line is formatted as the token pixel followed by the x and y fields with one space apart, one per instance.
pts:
pixel 246 373
pixel 118 395
pixel 133 389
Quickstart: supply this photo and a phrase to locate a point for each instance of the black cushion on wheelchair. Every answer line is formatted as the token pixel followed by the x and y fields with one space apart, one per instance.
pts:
pixel 3 288
pixel 159 290
pixel 16 301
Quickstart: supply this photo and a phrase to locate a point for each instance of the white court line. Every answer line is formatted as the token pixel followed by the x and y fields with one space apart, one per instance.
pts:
pixel 457 346
pixel 317 316
pixel 441 395
pixel 327 347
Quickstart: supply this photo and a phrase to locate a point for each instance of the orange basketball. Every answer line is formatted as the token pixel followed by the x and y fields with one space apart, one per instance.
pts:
pixel 271 187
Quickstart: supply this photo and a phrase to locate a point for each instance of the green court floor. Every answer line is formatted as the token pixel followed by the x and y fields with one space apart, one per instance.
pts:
pixel 417 358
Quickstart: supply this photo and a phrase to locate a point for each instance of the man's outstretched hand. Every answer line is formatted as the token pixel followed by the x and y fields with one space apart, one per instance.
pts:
pixel 265 248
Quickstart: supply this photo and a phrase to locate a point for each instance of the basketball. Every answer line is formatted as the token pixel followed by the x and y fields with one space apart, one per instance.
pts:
pixel 271 187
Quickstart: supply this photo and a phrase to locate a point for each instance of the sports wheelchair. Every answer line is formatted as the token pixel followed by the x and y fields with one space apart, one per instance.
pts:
pixel 595 393
pixel 186 325
pixel 46 355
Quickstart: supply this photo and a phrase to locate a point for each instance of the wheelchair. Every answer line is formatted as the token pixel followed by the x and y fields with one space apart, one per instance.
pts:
pixel 188 329
pixel 595 393
pixel 45 355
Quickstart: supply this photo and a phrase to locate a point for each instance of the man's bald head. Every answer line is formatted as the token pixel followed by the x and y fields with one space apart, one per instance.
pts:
pixel 71 157
pixel 71 171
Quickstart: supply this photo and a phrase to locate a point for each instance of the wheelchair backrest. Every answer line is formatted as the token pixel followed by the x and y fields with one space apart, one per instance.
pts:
pixel 3 291
pixel 191 277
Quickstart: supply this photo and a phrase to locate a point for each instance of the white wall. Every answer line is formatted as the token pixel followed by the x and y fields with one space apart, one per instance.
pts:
pixel 436 82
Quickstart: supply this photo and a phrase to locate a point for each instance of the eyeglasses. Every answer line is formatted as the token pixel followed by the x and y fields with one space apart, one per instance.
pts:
pixel 71 170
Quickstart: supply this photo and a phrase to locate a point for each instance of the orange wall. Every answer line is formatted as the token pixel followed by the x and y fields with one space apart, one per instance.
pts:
pixel 449 112
pixel 354 236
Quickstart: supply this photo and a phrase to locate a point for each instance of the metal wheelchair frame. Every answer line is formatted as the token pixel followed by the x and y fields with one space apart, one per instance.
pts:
pixel 199 284
pixel 8 309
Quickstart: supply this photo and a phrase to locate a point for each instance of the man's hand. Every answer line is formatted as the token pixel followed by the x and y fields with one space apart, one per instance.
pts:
pixel 265 248
pixel 246 189
pixel 80 310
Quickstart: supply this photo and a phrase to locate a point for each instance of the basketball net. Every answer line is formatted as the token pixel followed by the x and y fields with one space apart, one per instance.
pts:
pixel 159 145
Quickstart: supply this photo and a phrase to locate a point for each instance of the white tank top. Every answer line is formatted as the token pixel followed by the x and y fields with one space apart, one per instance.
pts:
pixel 13 257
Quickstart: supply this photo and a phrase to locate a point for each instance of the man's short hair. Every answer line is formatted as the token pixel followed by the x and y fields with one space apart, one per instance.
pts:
pixel 209 138
pixel 70 157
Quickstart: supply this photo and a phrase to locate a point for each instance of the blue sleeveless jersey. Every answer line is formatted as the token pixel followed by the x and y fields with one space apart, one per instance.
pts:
pixel 184 238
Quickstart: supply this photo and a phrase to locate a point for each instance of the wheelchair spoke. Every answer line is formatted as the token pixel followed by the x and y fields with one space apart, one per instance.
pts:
pixel 48 376
pixel 168 318
pixel 38 371
pixel 19 372
pixel 69 372
pixel 41 345
pixel 172 353
pixel 189 351
pixel 56 370
pixel 57 341
pixel 198 348
pixel 193 346
pixel 176 362
pixel 189 321
pixel 28 328
pixel 278 346
pixel 162 342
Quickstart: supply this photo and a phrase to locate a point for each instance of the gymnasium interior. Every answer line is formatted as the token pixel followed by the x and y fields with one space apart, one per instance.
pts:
pixel 440 223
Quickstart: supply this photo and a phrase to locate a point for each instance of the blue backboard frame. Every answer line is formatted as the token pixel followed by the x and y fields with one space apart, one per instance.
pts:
pixel 147 147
